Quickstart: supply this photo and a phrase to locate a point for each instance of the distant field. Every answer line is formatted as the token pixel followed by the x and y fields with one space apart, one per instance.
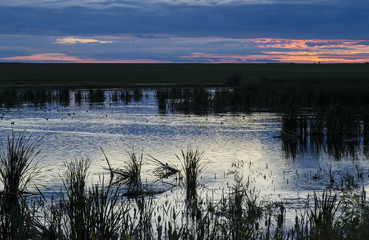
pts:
pixel 73 75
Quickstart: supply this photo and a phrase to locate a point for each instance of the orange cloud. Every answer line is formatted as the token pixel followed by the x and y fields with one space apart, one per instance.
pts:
pixel 305 44
pixel 297 57
pixel 293 50
pixel 225 58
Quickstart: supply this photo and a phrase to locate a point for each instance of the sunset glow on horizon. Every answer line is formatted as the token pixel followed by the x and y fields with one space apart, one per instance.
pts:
pixel 186 31
pixel 261 50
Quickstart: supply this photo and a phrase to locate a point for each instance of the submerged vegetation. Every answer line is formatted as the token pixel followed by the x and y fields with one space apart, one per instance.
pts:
pixel 65 97
pixel 130 174
pixel 102 210
pixel 192 166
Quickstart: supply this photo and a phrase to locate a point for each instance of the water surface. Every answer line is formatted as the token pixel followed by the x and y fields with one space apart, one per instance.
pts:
pixel 79 128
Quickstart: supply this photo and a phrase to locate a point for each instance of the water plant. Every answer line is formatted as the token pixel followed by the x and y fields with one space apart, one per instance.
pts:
pixel 192 164
pixel 101 210
pixel 17 170
pixel 244 210
pixel 163 170
pixel 130 173
pixel 107 211
pixel 75 201
pixel 322 215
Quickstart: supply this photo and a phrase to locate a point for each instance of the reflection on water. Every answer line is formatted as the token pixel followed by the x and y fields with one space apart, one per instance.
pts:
pixel 282 152
pixel 65 97
pixel 311 133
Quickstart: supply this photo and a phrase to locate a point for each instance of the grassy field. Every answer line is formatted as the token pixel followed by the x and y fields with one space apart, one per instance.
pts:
pixel 73 75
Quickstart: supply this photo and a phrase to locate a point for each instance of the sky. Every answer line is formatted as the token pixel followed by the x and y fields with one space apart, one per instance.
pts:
pixel 184 31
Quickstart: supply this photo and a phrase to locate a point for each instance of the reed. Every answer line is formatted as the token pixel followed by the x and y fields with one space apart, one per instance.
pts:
pixel 82 212
pixel 137 94
pixel 106 212
pixel 143 211
pixel 17 167
pixel 130 173
pixel 75 201
pixel 101 211
pixel 96 96
pixel 50 222
pixel 163 170
pixel 244 210
pixel 353 223
pixel 322 215
pixel 162 98
pixel 192 166
pixel 17 171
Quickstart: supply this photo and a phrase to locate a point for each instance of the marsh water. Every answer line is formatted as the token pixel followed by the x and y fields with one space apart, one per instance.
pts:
pixel 78 127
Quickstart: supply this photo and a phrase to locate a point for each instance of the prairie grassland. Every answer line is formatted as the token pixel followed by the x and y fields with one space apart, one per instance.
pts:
pixel 73 75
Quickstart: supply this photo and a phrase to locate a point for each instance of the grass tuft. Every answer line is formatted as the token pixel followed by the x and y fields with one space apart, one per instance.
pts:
pixel 192 166
pixel 16 173
pixel 163 170
pixel 130 174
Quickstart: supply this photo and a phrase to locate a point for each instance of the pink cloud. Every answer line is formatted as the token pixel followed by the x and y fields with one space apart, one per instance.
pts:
pixel 293 56
pixel 58 57
pixel 130 61
pixel 306 43
pixel 61 57
pixel 226 58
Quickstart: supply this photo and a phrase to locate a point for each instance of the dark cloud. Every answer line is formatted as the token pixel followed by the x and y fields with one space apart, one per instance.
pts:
pixel 323 43
pixel 269 20
pixel 363 43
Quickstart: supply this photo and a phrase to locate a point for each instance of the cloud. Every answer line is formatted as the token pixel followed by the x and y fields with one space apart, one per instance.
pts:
pixel 70 3
pixel 225 58
pixel 290 50
pixel 149 3
pixel 282 57
pixel 47 57
pixel 61 57
pixel 263 18
pixel 307 43
pixel 157 48
pixel 74 40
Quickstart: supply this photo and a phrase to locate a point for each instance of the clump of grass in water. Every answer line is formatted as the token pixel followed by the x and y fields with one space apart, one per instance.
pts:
pixel 76 198
pixel 106 212
pixel 322 215
pixel 98 212
pixel 143 210
pixel 16 169
pixel 244 209
pixel 130 174
pixel 16 173
pixel 192 167
pixel 163 170
pixel 353 222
